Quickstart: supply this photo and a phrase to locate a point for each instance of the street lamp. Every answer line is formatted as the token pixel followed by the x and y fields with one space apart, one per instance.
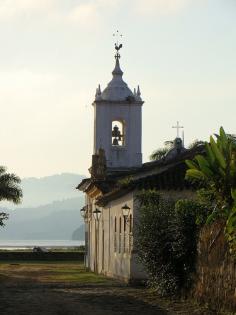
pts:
pixel 83 212
pixel 126 211
pixel 97 214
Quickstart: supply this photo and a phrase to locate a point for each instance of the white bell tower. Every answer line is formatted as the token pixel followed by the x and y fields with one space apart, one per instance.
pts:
pixel 118 121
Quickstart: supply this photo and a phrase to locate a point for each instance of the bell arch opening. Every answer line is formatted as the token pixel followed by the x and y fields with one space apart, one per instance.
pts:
pixel 118 133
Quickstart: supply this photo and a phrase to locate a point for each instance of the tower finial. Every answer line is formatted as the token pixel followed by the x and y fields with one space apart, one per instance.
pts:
pixel 138 94
pixel 118 45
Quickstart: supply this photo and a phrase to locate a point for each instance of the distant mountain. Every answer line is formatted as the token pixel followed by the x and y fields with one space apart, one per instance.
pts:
pixel 53 221
pixel 78 234
pixel 45 190
pixel 50 209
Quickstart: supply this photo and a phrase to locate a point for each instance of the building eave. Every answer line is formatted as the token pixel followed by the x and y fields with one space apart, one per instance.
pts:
pixel 155 174
pixel 84 184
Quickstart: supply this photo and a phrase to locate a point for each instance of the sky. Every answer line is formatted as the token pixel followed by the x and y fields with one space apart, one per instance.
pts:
pixel 54 53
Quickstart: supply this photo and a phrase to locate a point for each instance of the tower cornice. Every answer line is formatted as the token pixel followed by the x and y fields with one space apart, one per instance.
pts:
pixel 110 103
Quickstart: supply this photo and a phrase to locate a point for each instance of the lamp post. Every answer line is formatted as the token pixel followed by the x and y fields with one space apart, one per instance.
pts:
pixel 84 215
pixel 97 215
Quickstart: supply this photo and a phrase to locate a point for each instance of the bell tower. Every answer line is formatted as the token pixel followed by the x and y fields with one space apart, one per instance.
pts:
pixel 118 121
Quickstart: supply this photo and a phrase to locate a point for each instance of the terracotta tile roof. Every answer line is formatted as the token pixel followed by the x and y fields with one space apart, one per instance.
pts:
pixel 168 174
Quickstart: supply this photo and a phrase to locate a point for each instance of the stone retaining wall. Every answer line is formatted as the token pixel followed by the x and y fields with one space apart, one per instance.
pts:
pixel 216 270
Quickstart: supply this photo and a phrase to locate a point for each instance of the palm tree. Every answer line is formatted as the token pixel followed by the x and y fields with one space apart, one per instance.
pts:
pixel 161 152
pixel 195 143
pixel 158 154
pixel 9 190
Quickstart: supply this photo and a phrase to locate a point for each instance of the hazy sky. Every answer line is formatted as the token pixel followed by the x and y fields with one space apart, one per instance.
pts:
pixel 55 52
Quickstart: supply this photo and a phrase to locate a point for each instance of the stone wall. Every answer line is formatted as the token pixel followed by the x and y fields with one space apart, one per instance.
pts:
pixel 216 270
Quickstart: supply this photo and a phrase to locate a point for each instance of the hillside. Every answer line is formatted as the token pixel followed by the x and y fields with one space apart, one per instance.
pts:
pixel 53 221
pixel 45 190
pixel 78 234
pixel 50 209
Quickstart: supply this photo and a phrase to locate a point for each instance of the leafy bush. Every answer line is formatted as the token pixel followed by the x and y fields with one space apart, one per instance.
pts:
pixel 215 172
pixel 167 241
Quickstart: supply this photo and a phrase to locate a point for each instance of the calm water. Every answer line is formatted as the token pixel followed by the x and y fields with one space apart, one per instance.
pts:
pixel 14 244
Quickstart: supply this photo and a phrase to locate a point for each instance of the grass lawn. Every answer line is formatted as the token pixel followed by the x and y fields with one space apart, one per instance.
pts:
pixel 49 272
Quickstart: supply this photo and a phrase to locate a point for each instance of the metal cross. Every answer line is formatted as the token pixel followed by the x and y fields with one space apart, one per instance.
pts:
pixel 118 36
pixel 178 127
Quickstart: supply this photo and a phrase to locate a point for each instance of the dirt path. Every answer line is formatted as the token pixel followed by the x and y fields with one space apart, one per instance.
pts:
pixel 33 289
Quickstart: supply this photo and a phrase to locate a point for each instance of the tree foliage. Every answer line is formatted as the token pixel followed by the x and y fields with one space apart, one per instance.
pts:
pixel 215 173
pixel 9 186
pixel 9 190
pixel 3 217
pixel 166 241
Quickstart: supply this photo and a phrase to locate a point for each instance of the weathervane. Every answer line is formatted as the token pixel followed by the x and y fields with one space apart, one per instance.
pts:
pixel 178 127
pixel 118 46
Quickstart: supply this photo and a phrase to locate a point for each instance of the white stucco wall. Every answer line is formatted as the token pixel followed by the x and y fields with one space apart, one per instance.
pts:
pixel 121 262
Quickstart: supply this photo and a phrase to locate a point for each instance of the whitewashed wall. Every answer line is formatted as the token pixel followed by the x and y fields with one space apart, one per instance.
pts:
pixel 118 261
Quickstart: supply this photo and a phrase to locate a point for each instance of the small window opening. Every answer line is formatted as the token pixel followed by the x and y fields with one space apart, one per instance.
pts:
pixel 120 235
pixel 115 236
pixel 130 223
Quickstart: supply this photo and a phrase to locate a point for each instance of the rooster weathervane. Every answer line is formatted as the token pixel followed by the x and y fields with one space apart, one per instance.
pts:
pixel 118 46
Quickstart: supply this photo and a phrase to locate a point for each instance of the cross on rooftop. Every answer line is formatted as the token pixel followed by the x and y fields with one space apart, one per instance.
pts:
pixel 178 127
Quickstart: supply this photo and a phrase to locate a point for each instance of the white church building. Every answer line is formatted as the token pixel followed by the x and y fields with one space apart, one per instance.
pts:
pixel 111 211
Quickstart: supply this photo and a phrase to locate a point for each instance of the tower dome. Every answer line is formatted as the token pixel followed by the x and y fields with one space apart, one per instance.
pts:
pixel 117 89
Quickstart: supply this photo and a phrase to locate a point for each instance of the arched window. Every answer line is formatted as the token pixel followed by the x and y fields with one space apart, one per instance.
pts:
pixel 115 236
pixel 124 237
pixel 120 235
pixel 118 133
pixel 130 233
pixel 130 223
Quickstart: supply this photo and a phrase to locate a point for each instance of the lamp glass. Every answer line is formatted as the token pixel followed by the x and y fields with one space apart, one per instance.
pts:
pixel 97 214
pixel 125 210
pixel 82 212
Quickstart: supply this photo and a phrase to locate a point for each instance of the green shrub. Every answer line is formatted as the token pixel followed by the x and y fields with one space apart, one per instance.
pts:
pixel 167 241
pixel 215 173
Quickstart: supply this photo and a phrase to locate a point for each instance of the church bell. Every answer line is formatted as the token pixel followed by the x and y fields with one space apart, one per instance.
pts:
pixel 116 132
pixel 115 141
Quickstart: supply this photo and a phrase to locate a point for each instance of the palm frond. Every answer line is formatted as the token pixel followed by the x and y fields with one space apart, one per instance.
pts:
pixel 158 154
pixel 10 186
pixel 195 143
